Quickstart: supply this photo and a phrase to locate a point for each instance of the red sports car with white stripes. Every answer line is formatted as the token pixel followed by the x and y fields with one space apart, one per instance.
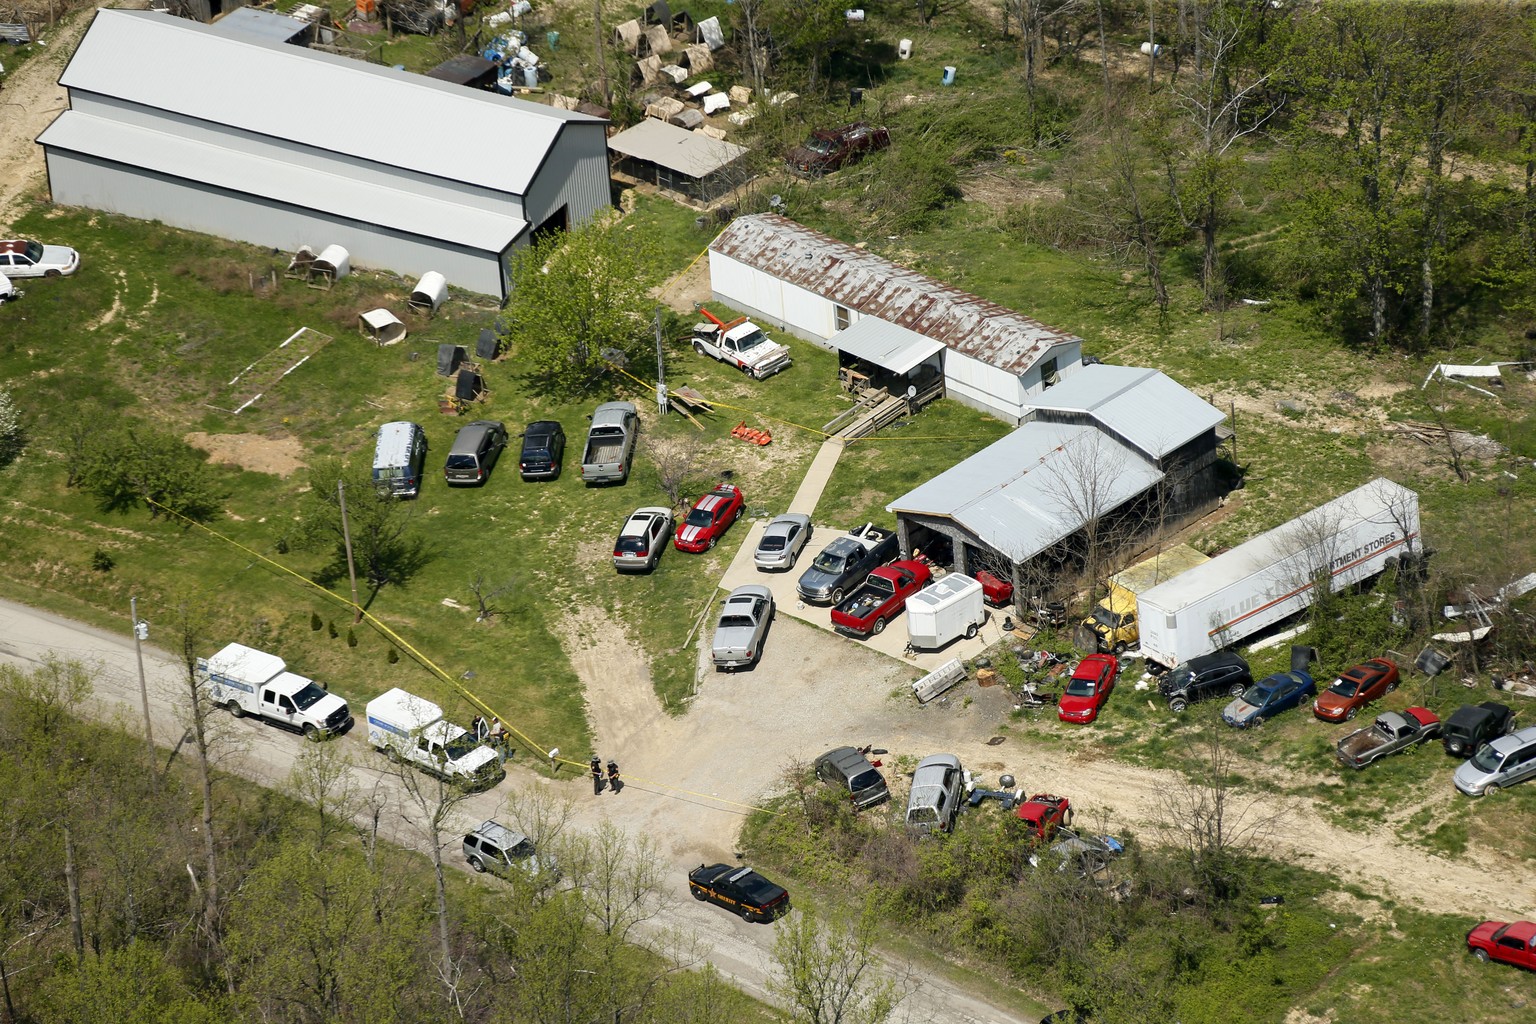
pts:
pixel 712 515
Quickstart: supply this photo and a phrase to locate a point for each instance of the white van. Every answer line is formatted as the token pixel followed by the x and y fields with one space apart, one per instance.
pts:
pixel 398 456
pixel 411 728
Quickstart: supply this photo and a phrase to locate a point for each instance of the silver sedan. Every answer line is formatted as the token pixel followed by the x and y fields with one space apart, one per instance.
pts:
pixel 783 540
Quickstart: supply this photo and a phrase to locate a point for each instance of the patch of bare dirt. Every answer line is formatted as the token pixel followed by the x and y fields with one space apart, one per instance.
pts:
pixel 279 456
pixel 1002 189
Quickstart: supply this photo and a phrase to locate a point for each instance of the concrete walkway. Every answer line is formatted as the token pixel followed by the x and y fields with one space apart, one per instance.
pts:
pixel 816 477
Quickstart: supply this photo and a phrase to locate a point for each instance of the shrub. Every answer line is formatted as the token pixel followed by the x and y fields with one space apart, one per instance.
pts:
pixel 330 628
pixel 315 622
pixel 351 638
pixel 101 561
pixel 393 656
pixel 13 436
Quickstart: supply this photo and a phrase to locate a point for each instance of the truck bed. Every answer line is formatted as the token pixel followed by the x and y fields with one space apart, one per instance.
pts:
pixel 603 454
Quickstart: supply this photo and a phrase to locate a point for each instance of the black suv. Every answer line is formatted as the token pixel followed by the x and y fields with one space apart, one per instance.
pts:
pixel 1210 675
pixel 849 771
pixel 1472 725
pixel 543 448
pixel 738 889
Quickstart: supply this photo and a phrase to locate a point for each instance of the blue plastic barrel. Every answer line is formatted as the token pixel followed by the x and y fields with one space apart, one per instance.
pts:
pixel 553 39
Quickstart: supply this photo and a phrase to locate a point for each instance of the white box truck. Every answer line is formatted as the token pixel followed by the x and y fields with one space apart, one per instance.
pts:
pixel 246 681
pixel 952 607
pixel 1258 583
pixel 411 729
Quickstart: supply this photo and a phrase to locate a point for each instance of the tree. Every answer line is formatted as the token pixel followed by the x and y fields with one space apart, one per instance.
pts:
pixel 680 460
pixel 808 31
pixel 1084 482
pixel 486 593
pixel 830 973
pixel 383 547
pixel 13 435
pixel 576 301
pixel 131 464
pixel 197 710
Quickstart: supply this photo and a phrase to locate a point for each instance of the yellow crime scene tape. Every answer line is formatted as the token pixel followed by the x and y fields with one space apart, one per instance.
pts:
pixel 458 686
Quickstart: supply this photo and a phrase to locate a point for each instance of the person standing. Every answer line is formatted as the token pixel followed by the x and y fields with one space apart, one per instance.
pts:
pixel 613 776
pixel 597 774
pixel 497 738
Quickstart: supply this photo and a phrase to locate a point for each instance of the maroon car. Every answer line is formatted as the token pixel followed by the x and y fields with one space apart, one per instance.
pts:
pixel 827 150
pixel 1355 689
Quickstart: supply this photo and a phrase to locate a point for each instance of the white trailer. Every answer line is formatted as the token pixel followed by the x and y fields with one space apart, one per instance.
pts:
pixel 942 611
pixel 246 681
pixel 412 729
pixel 1258 583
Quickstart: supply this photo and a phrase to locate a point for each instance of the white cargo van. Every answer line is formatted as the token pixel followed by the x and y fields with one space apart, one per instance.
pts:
pixel 952 607
pixel 411 728
pixel 250 682
pixel 398 455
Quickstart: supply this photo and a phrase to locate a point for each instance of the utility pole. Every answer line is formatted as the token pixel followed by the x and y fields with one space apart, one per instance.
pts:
pixel 602 60
pixel 140 631
pixel 1151 46
pixel 346 535
pixel 661 367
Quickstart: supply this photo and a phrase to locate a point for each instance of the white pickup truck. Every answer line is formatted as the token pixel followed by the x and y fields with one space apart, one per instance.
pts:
pixel 742 344
pixel 250 682
pixel 410 728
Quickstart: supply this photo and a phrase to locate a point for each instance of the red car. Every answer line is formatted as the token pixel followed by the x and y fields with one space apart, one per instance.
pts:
pixel 1090 686
pixel 1355 689
pixel 1513 943
pixel 1044 813
pixel 827 150
pixel 711 516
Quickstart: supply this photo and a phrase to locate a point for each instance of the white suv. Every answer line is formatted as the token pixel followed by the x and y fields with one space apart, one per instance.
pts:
pixel 21 257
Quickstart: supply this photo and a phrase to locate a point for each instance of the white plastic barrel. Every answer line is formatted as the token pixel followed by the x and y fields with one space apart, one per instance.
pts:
pixel 905 49
pixel 949 74
pixel 1152 49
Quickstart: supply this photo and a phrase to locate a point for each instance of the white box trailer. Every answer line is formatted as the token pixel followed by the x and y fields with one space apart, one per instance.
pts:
pixel 952 607
pixel 412 729
pixel 246 681
pixel 1258 583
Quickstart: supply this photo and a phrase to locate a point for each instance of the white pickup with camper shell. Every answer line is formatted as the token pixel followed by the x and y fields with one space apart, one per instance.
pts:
pixel 412 729
pixel 246 681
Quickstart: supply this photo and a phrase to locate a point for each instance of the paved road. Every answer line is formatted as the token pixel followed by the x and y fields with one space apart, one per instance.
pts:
pixel 741 951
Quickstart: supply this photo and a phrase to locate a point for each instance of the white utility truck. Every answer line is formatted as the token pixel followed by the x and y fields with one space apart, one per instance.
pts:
pixel 412 729
pixel 1258 583
pixel 251 682
pixel 952 607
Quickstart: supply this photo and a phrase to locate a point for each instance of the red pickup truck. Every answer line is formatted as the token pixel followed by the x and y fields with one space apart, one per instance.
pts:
pixel 884 594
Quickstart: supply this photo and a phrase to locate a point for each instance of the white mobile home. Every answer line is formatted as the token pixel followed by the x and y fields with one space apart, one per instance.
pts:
pixel 816 287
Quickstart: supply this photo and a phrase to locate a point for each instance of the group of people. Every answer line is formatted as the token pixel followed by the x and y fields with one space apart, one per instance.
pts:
pixel 597 775
pixel 491 733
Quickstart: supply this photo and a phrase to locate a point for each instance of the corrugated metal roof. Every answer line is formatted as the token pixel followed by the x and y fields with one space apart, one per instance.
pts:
pixel 1148 407
pixel 885 344
pixel 1383 502
pixel 248 22
pixel 875 286
pixel 331 103
pixel 674 148
pixel 283 182
pixel 1033 487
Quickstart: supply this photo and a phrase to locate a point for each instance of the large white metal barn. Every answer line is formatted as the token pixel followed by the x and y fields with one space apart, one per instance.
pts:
pixel 277 144
pixel 818 288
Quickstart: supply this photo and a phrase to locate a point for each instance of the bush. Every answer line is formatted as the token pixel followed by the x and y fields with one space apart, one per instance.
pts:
pixel 101 561
pixel 351 638
pixel 330 628
pixel 315 622
pixel 393 656
pixel 13 436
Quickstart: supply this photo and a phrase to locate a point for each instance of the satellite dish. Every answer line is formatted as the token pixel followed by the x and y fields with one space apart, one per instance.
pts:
pixel 911 391
pixel 776 201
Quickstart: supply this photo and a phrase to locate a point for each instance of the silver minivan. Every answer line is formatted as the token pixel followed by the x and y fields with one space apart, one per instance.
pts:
pixel 474 452
pixel 938 786
pixel 1499 764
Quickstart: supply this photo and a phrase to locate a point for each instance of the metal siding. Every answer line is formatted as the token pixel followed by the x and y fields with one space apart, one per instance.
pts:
pixel 493 201
pixel 575 175
pixel 1147 407
pixel 318 99
pixel 997 390
pixel 861 280
pixel 83 181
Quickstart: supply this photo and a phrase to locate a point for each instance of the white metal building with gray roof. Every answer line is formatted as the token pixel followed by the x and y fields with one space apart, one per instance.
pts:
pixel 253 139
pixel 815 286
pixel 1126 448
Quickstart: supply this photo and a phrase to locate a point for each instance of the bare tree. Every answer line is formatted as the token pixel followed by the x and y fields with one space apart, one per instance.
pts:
pixel 322 778
pixel 1085 484
pixel 1205 815
pixel 681 461
pixel 486 593
pixel 197 710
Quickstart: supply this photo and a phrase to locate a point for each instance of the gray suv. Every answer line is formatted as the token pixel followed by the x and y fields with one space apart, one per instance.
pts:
pixel 1209 675
pixel 1500 764
pixel 849 771
pixel 495 848
pixel 938 786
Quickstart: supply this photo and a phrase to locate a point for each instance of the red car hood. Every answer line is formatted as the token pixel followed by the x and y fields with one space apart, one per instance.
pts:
pixel 1070 704
pixel 1484 932
pixel 692 534
pixel 1327 701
